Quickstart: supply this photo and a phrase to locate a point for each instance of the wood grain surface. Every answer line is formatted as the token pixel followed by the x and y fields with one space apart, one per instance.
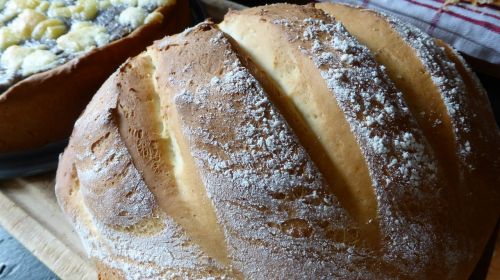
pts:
pixel 30 213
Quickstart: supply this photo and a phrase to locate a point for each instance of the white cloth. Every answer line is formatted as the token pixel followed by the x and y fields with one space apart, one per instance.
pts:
pixel 473 30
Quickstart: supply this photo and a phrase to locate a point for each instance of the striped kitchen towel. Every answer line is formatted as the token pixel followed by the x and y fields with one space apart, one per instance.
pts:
pixel 473 30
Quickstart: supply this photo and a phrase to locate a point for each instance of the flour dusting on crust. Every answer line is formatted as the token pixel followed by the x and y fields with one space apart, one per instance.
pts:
pixel 451 86
pixel 278 218
pixel 401 167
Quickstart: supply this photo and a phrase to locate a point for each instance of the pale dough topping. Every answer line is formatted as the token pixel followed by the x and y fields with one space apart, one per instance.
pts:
pixel 64 28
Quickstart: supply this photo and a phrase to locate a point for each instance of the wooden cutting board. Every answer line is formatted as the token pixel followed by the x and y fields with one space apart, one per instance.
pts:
pixel 29 212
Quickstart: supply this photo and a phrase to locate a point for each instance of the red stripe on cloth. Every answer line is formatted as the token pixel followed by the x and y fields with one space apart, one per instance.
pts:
pixel 491 6
pixel 487 25
pixel 434 21
pixel 453 32
pixel 465 7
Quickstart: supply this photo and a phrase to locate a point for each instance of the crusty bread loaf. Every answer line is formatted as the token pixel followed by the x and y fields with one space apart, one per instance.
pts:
pixel 276 146
pixel 42 108
pixel 448 103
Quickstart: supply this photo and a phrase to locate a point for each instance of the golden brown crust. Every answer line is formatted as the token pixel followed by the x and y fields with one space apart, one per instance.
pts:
pixel 304 99
pixel 108 273
pixel 454 114
pixel 193 127
pixel 380 125
pixel 263 217
pixel 482 175
pixel 149 129
pixel 115 198
pixel 409 74
pixel 42 108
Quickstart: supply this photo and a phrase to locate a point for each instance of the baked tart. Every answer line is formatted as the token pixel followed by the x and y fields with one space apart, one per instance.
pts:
pixel 54 55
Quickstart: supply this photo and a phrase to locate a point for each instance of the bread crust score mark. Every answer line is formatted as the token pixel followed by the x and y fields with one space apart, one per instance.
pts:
pixel 310 42
pixel 296 88
pixel 274 207
pixel 263 185
pixel 450 106
pixel 120 204
pixel 42 108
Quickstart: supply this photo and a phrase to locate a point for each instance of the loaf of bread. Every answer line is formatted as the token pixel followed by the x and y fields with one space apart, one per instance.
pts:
pixel 50 70
pixel 286 144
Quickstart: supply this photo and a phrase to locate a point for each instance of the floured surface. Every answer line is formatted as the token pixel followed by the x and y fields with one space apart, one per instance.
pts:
pixel 298 91
pixel 268 195
pixel 31 214
pixel 387 133
pixel 190 110
pixel 449 105
pixel 126 210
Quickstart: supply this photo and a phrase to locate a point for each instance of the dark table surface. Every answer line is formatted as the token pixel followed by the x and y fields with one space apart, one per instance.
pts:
pixel 16 262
